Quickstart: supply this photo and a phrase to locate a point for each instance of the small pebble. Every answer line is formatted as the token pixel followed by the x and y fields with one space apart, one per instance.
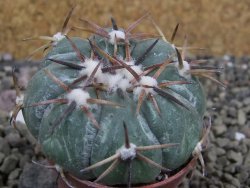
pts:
pixel 14 174
pixel 241 117
pixel 9 164
pixel 221 142
pixel 14 139
pixel 239 136
pixel 219 129
pixel 235 157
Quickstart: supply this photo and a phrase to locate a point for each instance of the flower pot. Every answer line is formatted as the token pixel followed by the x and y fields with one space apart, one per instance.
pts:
pixel 171 182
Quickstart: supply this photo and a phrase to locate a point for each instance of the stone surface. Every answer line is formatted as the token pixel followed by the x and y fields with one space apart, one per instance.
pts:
pixel 14 174
pixel 222 142
pixel 235 157
pixel 241 117
pixel 14 139
pixel 223 155
pixel 219 129
pixel 9 164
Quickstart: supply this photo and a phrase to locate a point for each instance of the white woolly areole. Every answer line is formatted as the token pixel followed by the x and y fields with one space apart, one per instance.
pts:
pixel 184 69
pixel 90 65
pixel 124 84
pixel 128 153
pixel 79 96
pixel 145 80
pixel 113 81
pixel 128 75
pixel 19 100
pixel 57 37
pixel 116 34
pixel 148 80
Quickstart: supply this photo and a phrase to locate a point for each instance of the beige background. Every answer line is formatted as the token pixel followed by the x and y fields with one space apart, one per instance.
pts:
pixel 221 26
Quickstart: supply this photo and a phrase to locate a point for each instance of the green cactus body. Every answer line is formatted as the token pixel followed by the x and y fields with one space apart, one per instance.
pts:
pixel 76 144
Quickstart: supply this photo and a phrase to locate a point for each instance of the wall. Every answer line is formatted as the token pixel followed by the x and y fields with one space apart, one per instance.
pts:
pixel 220 26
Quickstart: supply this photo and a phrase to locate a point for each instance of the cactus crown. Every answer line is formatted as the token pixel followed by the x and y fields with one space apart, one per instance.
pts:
pixel 119 97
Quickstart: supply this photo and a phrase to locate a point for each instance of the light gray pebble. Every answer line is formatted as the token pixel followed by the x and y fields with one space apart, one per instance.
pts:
pixel 9 164
pixel 23 160
pixel 12 183
pixel 211 155
pixel 210 167
pixel 246 101
pixel 247 159
pixel 241 117
pixel 233 144
pixel 235 103
pixel 14 174
pixel 230 168
pixel 235 182
pixel 227 177
pixel 229 121
pixel 14 139
pixel 243 149
pixel 221 142
pixel 220 151
pixel 235 157
pixel 222 161
pixel 232 112
pixel 246 142
pixel 16 153
pixel 219 129
pixel 217 173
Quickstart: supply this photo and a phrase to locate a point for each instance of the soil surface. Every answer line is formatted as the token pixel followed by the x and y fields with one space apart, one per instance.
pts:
pixel 227 157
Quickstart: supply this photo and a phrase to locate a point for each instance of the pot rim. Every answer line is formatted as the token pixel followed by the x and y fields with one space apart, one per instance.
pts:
pixel 171 182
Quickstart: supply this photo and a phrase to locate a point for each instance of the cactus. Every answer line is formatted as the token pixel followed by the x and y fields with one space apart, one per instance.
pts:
pixel 118 108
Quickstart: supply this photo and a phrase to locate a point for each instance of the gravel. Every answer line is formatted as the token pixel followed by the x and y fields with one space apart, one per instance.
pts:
pixel 227 157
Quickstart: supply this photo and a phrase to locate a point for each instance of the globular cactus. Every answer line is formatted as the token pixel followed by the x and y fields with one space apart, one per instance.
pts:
pixel 118 108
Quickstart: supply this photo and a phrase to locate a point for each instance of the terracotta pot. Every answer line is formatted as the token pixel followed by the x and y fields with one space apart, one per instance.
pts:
pixel 171 182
